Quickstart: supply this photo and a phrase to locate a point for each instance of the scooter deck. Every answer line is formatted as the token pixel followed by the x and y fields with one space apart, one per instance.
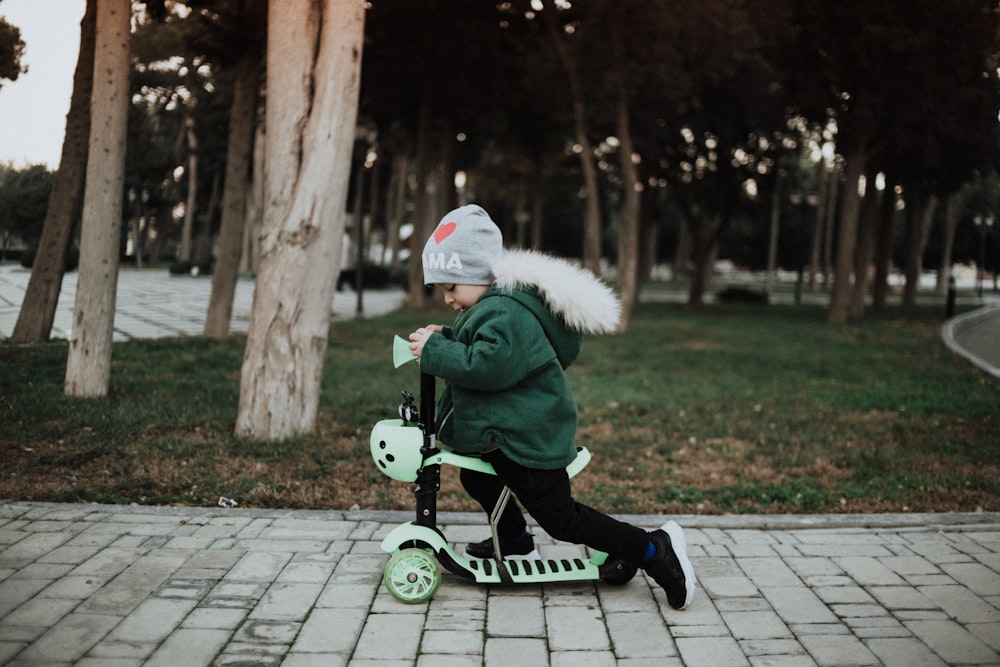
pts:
pixel 492 571
pixel 532 571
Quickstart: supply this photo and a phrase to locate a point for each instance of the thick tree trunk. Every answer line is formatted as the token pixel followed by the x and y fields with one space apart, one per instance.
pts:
pixel 88 365
pixel 919 213
pixel 840 297
pixel 38 309
pixel 313 72
pixel 238 153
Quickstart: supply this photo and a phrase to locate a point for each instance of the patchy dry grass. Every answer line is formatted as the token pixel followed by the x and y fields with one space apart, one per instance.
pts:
pixel 747 411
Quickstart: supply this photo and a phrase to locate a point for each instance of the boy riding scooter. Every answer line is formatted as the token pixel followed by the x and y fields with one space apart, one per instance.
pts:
pixel 521 319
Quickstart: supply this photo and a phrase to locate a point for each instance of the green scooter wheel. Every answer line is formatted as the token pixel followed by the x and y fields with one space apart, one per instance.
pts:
pixel 412 575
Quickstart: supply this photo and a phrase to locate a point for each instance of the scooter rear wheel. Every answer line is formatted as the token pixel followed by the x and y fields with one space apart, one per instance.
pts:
pixel 617 572
pixel 412 575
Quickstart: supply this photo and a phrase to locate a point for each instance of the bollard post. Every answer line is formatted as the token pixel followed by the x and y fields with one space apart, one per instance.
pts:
pixel 950 309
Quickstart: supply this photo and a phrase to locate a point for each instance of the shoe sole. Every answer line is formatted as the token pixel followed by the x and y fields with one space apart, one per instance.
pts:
pixel 679 545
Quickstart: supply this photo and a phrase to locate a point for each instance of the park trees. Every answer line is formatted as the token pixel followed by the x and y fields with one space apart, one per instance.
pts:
pixel 313 71
pixel 11 50
pixel 910 86
pixel 88 365
pixel 34 320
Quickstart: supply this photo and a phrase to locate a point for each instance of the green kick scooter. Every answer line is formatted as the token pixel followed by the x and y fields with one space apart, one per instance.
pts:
pixel 405 449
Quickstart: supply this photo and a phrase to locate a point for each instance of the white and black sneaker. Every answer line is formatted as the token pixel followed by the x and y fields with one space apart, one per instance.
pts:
pixel 523 548
pixel 670 567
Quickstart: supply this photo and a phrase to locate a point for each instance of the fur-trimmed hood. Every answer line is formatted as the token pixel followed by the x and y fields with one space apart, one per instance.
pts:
pixel 572 294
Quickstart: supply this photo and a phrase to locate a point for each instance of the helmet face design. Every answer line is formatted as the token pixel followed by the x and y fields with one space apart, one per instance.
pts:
pixel 396 449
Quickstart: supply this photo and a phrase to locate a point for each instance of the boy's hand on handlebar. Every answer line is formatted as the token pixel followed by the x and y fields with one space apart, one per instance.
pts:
pixel 419 337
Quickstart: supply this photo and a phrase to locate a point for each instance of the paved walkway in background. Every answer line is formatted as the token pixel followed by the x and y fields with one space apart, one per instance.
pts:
pixel 156 304
pixel 118 585
pixel 976 336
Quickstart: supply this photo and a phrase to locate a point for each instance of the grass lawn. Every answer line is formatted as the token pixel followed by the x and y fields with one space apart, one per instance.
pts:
pixel 734 410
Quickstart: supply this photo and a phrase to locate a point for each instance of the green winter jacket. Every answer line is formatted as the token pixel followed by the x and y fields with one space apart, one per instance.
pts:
pixel 503 362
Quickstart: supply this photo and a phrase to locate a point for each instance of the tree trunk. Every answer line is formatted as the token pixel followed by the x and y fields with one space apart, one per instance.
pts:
pixel 239 149
pixel 816 246
pixel 38 309
pixel 203 239
pixel 919 213
pixel 313 72
pixel 951 211
pixel 883 247
pixel 395 209
pixel 88 365
pixel 536 191
pixel 592 220
pixel 628 223
pixel 705 252
pixel 773 232
pixel 423 223
pixel 863 252
pixel 829 225
pixel 250 256
pixel 840 298
pixel 191 203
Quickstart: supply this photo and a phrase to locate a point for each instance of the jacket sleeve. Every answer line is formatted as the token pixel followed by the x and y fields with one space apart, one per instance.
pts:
pixel 495 357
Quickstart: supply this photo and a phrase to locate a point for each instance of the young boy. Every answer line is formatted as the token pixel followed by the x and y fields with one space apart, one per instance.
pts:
pixel 521 318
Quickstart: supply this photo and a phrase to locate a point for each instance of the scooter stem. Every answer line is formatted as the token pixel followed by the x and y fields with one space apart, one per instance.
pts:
pixel 429 477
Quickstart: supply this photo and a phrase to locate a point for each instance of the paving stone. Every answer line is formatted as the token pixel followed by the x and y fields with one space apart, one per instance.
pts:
pixel 286 602
pixel 639 635
pixel 316 635
pixel 961 604
pixel 953 643
pixel 798 605
pixel 769 572
pixel 904 652
pixel 189 646
pixel 869 572
pixel 442 642
pixel 69 639
pixel 711 652
pixel 39 612
pixel 838 650
pixel 975 576
pixel 30 548
pixel 515 616
pixel 152 621
pixel 259 566
pixel 505 651
pixel 756 625
pixel 390 637
pixel 572 628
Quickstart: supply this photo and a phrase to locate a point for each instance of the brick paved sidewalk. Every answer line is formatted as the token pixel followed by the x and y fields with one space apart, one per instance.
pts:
pixel 125 585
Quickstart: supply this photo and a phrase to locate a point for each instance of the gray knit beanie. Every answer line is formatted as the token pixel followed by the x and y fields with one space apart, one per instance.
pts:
pixel 462 249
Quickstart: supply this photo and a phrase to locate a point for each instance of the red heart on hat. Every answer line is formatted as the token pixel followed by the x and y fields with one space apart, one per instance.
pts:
pixel 443 231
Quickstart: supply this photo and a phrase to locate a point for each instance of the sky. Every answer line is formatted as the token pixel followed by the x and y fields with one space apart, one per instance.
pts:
pixel 33 108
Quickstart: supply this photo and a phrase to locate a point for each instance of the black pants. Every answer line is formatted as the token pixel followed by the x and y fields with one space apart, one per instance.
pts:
pixel 546 495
